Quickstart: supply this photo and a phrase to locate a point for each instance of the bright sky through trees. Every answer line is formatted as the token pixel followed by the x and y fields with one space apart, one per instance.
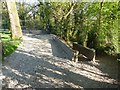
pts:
pixel 28 1
pixel 35 1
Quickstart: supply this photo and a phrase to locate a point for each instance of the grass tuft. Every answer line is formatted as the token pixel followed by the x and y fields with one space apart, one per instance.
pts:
pixel 9 45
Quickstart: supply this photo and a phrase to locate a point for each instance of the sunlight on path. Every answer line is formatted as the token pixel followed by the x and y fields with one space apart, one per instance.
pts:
pixel 34 65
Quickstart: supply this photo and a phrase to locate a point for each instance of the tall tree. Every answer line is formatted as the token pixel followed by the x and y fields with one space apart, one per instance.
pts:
pixel 14 19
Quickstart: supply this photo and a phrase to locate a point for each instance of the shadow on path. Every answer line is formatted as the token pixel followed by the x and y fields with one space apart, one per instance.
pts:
pixel 39 72
pixel 33 68
pixel 57 47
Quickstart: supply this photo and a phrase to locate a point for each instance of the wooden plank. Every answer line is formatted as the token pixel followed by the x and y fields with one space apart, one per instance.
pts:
pixel 89 53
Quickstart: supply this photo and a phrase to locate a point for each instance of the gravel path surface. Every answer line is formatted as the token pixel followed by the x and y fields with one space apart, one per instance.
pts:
pixel 33 65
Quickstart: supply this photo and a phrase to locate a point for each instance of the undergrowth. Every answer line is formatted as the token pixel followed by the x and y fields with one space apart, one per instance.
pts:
pixel 8 45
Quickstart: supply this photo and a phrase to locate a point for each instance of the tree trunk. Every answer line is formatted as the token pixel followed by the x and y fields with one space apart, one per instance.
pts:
pixel 98 38
pixel 100 15
pixel 0 49
pixel 14 20
pixel 0 14
pixel 0 28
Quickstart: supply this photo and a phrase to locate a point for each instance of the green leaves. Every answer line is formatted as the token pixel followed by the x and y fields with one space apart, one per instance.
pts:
pixel 9 46
pixel 94 25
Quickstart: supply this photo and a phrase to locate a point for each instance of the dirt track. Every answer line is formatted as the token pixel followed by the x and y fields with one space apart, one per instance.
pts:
pixel 40 63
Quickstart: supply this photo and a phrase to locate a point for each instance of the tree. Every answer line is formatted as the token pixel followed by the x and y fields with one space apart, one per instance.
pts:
pixel 14 20
pixel 5 17
pixel 91 24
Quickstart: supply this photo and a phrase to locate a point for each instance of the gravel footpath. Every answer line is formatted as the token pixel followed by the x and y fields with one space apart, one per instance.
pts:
pixel 40 63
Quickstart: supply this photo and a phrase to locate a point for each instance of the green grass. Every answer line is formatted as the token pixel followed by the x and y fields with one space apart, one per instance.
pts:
pixel 9 45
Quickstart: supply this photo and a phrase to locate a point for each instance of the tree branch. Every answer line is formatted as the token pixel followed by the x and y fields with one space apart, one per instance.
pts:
pixel 69 11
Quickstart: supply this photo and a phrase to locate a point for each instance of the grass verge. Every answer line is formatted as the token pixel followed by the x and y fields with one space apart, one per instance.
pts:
pixel 9 45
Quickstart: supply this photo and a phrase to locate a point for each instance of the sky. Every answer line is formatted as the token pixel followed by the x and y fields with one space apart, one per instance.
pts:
pixel 27 1
pixel 35 1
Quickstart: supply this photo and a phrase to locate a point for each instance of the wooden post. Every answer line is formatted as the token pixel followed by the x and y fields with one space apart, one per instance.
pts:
pixel 75 55
pixel 14 19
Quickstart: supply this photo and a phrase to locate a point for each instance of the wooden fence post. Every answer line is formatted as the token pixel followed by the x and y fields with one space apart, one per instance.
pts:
pixel 75 55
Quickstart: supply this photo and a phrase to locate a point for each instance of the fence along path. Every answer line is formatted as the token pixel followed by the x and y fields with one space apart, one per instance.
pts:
pixel 39 62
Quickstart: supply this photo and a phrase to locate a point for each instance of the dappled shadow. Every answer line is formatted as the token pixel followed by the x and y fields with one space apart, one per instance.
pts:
pixel 28 70
pixel 108 65
pixel 40 63
pixel 56 47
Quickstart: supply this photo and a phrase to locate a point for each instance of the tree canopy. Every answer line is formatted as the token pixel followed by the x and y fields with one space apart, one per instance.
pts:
pixel 91 24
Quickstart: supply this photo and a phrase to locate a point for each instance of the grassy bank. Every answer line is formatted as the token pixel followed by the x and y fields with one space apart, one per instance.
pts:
pixel 9 45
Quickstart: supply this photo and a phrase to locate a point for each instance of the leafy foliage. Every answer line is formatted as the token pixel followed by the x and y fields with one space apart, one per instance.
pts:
pixel 9 45
pixel 94 25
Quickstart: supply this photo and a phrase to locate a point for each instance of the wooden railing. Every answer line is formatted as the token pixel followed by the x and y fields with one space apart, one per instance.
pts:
pixel 79 50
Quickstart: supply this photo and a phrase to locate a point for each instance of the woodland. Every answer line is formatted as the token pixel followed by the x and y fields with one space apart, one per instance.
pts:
pixel 39 40
pixel 91 24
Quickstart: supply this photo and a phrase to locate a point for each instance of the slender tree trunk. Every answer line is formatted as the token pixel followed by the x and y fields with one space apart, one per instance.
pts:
pixel 0 28
pixel 99 25
pixel 118 27
pixel 100 15
pixel 14 20
pixel 0 14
